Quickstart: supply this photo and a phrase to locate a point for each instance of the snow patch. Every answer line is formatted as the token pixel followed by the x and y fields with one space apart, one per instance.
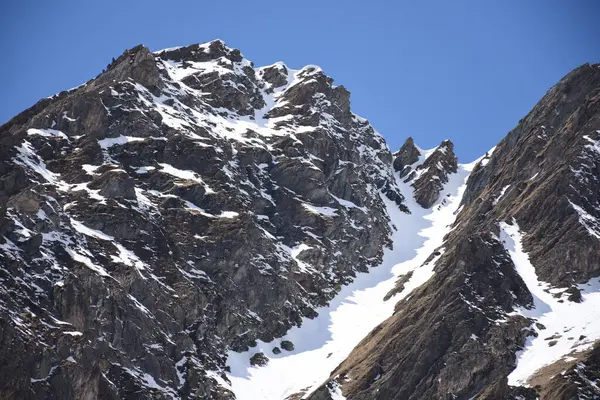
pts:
pixel 109 142
pixel 591 224
pixel 326 211
pixel 570 327
pixel 47 133
pixel 504 189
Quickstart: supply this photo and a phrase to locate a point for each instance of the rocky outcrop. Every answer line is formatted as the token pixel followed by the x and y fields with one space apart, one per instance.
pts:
pixel 407 155
pixel 275 76
pixel 433 174
pixel 427 171
pixel 578 381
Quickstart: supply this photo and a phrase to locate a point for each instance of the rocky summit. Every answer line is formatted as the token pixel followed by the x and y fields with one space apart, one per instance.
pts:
pixel 189 226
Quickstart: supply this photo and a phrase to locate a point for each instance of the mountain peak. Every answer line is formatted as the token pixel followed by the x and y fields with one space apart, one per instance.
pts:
pixel 446 144
pixel 183 225
pixel 276 75
pixel 407 155
pixel 201 52
pixel 434 173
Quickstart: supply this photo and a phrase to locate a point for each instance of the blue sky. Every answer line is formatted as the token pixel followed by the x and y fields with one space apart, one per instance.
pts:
pixel 464 70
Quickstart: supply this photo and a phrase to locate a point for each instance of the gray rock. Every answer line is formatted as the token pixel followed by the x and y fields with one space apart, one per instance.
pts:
pixel 475 282
pixel 259 359
pixel 27 201
pixel 114 184
pixel 287 345
pixel 406 156
pixel 435 171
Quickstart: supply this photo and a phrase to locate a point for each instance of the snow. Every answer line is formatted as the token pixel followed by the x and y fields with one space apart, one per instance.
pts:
pixel 336 392
pixel 326 211
pixel 65 116
pixel 75 255
pixel 591 224
pixel 221 121
pixel 93 194
pixel 180 71
pixel 349 204
pixel 322 343
pixel 27 157
pixel 47 133
pixel 73 333
pixel 148 381
pixel 228 214
pixel 139 305
pixel 484 159
pixel 124 256
pixel 504 189
pixel 295 252
pixel 594 144
pixel 423 155
pixel 184 174
pixel 144 170
pixel 565 322
pixel 216 376
pixel 50 374
pixel 90 169
pixel 78 226
pixel 109 142
pixel 168 49
pixel 145 203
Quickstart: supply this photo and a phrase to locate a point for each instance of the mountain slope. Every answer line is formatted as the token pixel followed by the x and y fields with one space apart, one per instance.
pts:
pixel 186 225
pixel 458 334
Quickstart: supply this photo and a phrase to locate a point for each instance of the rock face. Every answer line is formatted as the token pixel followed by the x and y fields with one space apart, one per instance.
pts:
pixel 179 205
pixel 427 171
pixel 184 204
pixel 433 174
pixel 405 157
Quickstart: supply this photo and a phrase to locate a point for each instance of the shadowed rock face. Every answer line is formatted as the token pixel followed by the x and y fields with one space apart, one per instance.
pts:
pixel 179 205
pixel 544 175
pixel 428 176
pixel 434 174
pixel 406 156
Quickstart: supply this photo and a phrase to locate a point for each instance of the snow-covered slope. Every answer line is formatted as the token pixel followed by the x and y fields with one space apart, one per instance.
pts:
pixel 325 341
pixel 562 327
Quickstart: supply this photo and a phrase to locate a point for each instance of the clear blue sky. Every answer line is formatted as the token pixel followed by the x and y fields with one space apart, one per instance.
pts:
pixel 466 70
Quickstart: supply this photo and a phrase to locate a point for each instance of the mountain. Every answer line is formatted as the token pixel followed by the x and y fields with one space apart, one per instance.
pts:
pixel 186 225
pixel 516 278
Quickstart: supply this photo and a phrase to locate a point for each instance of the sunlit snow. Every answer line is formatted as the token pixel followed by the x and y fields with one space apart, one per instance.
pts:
pixel 569 327
pixel 322 343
